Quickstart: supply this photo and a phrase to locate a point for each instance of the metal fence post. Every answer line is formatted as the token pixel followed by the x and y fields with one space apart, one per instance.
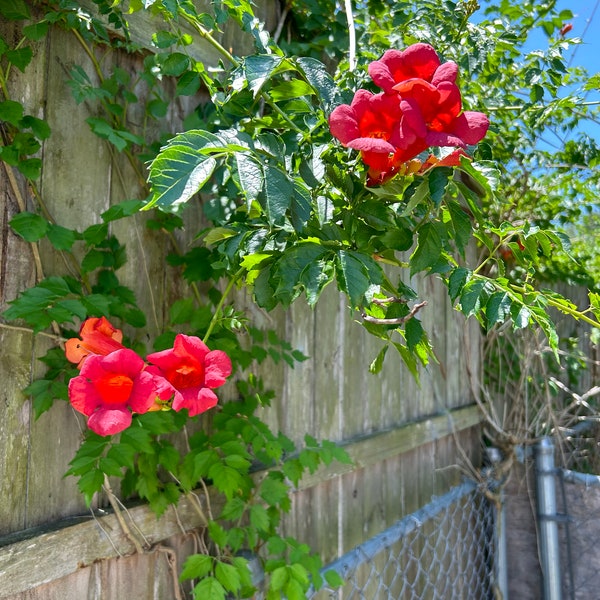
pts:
pixel 501 563
pixel 547 525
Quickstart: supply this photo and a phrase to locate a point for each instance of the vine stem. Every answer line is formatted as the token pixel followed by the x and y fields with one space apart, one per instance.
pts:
pixel 219 308
pixel 573 312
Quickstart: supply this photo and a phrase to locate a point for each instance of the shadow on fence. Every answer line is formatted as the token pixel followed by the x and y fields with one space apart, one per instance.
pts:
pixel 444 550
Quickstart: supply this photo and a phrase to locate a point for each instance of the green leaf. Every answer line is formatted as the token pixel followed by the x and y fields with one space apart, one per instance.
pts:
pixel 333 578
pixel 273 489
pixel 461 224
pixel 414 333
pixel 20 57
pixel 196 566
pixel 294 270
pixel 259 517
pixel 319 78
pixel 29 226
pixel 225 478
pixel 61 237
pixel 279 577
pixel 250 175
pixel 36 31
pixel 14 10
pixel 377 364
pixel 438 180
pixel 90 483
pixel 175 64
pixel 39 127
pixel 457 281
pixel 292 89
pixel 473 296
pixel 428 250
pixel 209 589
pixel 121 210
pixel 498 308
pixel 181 169
pixel 278 193
pixel 258 69
pixel 228 576
pixel 11 112
pixel 358 276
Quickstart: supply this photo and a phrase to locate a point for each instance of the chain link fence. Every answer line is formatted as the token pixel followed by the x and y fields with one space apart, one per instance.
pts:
pixel 444 550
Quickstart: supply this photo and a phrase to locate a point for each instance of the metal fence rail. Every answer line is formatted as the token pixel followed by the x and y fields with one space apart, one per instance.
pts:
pixel 444 550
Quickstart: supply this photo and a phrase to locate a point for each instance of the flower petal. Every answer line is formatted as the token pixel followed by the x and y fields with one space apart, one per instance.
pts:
pixel 368 144
pixel 217 367
pixel 471 126
pixel 108 421
pixel 343 124
pixel 143 393
pixel 445 72
pixel 124 361
pixel 83 395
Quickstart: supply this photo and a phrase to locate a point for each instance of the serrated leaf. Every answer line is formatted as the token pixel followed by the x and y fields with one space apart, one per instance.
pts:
pixel 279 577
pixel 358 275
pixel 498 308
pixel 196 566
pixel 250 175
pixel 29 226
pixel 277 195
pixel 228 576
pixel 20 57
pixel 181 169
pixel 225 479
pixel 473 296
pixel 461 224
pixel 319 78
pixel 61 237
pixel 258 68
pixel 209 589
pixel 438 181
pixel 457 281
pixel 414 333
pixel 428 250
pixel 290 269
pixel 259 517
pixel 377 363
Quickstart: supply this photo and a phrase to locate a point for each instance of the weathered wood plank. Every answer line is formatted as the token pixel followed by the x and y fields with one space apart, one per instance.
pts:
pixel 382 445
pixel 14 427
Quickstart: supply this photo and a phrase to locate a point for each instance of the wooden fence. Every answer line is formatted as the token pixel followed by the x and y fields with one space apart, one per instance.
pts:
pixel 408 442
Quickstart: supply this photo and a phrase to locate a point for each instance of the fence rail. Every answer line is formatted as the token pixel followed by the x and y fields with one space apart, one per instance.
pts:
pixel 446 549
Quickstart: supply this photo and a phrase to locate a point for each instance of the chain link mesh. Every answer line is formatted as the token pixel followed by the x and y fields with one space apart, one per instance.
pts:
pixel 444 550
pixel 578 502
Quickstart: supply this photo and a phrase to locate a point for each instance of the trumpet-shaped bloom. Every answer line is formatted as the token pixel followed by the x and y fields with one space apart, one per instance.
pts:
pixel 109 388
pixel 96 336
pixel 191 372
pixel 371 124
pixel 420 107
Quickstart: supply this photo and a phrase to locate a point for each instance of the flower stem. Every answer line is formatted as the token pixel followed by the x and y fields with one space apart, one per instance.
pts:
pixel 219 307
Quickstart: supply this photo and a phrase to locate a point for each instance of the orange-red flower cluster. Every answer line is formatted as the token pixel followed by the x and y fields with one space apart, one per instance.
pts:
pixel 420 107
pixel 114 382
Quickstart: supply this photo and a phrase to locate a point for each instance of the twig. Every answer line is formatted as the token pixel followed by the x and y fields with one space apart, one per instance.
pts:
pixel 398 321
pixel 119 515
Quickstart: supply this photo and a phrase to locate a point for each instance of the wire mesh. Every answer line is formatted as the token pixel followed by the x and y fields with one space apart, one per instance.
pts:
pixel 579 512
pixel 444 550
